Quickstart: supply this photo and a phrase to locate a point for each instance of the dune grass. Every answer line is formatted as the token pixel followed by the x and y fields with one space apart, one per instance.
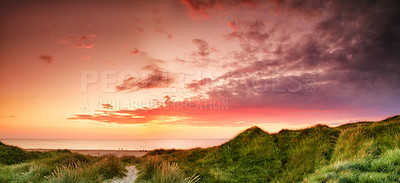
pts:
pixel 153 169
pixel 12 155
pixel 374 169
pixel 358 152
pixel 292 155
pixel 59 166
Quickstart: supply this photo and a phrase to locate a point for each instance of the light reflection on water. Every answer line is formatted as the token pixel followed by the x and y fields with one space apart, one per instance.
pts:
pixel 113 144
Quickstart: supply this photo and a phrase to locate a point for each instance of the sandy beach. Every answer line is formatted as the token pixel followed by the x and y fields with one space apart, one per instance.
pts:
pixel 118 153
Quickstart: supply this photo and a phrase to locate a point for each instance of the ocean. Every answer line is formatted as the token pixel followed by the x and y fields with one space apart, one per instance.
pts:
pixel 112 144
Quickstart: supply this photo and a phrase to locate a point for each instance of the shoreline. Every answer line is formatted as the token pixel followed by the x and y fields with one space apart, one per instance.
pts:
pixel 118 153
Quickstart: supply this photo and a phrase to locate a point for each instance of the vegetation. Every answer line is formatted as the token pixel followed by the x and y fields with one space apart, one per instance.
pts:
pixel 358 152
pixel 56 166
pixel 153 169
pixel 382 168
pixel 13 155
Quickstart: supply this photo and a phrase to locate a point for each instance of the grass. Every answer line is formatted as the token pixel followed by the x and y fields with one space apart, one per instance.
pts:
pixel 59 166
pixel 293 155
pixel 374 169
pixel 358 152
pixel 76 172
pixel 110 166
pixel 154 169
pixel 12 155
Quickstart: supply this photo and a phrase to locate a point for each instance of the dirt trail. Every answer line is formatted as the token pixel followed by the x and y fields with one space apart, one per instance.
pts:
pixel 130 176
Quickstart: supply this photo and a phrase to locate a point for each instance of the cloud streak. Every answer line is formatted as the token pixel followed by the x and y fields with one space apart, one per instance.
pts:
pixel 47 59
pixel 156 79
pixel 85 41
pixel 202 46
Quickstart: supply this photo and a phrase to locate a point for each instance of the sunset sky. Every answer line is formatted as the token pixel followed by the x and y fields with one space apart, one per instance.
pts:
pixel 179 69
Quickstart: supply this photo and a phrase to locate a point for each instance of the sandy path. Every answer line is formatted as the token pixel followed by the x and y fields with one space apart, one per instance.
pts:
pixel 130 176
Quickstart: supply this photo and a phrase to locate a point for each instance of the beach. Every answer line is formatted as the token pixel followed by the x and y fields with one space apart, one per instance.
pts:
pixel 118 153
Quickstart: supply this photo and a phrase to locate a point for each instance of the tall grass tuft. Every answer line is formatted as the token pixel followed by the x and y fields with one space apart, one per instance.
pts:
pixel 63 166
pixel 155 170
pixel 76 172
pixel 111 166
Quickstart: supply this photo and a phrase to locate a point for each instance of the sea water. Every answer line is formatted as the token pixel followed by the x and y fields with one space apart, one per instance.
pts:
pixel 113 144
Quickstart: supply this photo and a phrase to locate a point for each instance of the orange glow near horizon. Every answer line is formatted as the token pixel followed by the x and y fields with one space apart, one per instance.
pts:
pixel 186 70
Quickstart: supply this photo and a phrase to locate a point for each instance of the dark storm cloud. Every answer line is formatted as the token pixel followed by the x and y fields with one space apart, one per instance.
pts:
pixel 366 40
pixel 351 55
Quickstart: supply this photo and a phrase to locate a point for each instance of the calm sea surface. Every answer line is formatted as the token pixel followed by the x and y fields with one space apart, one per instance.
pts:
pixel 113 144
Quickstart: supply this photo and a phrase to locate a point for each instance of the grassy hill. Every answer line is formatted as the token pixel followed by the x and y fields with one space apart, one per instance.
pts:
pixel 355 152
pixel 12 155
pixel 20 166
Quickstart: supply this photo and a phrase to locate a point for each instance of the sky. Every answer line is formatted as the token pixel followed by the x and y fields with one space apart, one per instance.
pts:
pixel 193 69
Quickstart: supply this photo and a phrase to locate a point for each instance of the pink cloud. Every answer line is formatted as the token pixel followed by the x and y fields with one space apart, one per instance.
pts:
pixel 232 25
pixel 213 112
pixel 134 51
pixel 156 79
pixel 202 46
pixel 195 12
pixel 197 9
pixel 85 41
pixel 48 59
pixel 163 31
pixel 85 45
pixel 107 106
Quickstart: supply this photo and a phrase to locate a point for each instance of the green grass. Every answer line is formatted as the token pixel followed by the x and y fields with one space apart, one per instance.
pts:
pixel 292 155
pixel 365 140
pixel 58 166
pixel 12 155
pixel 358 152
pixel 374 169
pixel 155 170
